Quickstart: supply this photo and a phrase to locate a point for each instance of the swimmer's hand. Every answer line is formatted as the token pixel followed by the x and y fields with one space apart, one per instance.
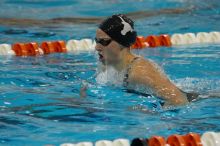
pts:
pixel 84 87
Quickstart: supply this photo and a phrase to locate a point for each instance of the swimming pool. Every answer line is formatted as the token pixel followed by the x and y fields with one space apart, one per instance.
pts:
pixel 39 98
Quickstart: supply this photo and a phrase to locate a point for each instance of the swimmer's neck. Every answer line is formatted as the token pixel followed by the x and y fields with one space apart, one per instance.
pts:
pixel 125 59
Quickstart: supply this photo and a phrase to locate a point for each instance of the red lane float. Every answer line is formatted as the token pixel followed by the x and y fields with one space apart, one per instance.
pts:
pixel 32 49
pixel 47 47
pixel 153 41
pixel 60 46
pixel 192 139
pixel 18 49
pixel 26 49
pixel 157 141
pixel 54 47
pixel 165 40
pixel 176 140
pixel 140 43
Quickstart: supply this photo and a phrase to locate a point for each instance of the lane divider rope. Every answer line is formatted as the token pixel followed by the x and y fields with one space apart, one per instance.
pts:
pixel 190 139
pixel 74 46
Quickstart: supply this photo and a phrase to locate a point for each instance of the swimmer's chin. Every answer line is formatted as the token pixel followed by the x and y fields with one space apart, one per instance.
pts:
pixel 102 61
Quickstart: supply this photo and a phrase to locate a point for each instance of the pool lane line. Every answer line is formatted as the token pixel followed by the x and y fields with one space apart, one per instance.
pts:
pixel 190 139
pixel 88 45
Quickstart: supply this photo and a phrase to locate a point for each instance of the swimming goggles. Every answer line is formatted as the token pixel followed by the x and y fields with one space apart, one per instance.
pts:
pixel 103 41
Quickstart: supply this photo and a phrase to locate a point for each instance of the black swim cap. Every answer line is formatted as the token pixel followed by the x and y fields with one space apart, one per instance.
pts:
pixel 120 28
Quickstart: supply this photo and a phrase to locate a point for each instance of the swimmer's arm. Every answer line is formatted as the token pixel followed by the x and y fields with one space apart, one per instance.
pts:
pixel 83 89
pixel 149 76
pixel 82 92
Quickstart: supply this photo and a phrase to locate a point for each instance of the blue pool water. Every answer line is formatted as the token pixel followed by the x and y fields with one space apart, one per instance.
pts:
pixel 39 96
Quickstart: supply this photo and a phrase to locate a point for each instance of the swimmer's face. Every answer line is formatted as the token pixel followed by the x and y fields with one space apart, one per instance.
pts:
pixel 108 49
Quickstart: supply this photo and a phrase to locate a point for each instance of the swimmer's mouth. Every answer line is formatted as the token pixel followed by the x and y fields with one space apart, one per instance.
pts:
pixel 101 57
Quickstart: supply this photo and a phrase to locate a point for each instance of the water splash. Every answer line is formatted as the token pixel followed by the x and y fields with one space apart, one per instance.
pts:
pixel 110 76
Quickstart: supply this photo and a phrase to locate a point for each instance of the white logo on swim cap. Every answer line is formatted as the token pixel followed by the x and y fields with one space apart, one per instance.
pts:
pixel 127 27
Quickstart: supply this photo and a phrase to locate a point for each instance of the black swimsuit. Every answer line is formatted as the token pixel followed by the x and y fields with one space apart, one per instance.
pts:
pixel 190 96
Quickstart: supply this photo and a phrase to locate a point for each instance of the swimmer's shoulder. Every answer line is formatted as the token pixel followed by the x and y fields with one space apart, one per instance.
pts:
pixel 142 64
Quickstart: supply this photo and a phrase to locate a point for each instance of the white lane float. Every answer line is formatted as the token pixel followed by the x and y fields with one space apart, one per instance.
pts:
pixel 177 39
pixel 190 38
pixel 80 45
pixel 5 49
pixel 121 142
pixel 199 38
pixel 210 139
pixel 67 144
pixel 203 37
pixel 72 45
pixel 104 143
pixel 84 144
pixel 215 36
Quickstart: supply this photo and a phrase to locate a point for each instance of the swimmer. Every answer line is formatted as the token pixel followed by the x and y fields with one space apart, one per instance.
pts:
pixel 114 38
